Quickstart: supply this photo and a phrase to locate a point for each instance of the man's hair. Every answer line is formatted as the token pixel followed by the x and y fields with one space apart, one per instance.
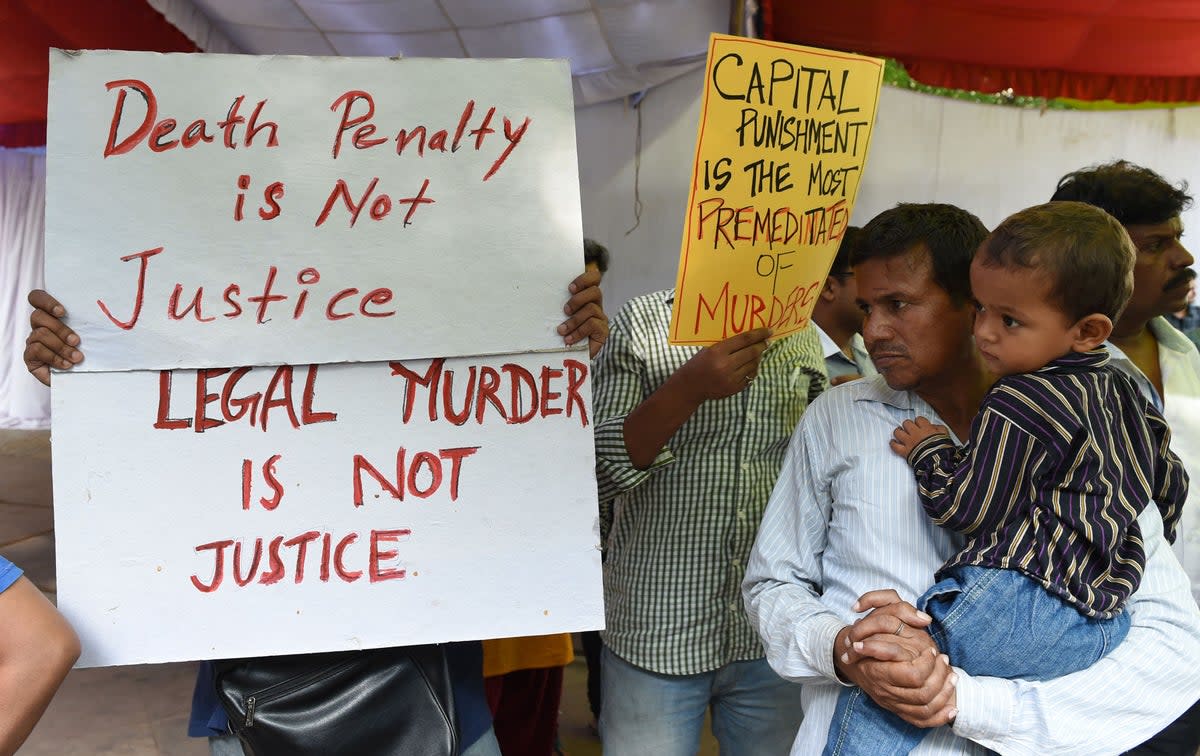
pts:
pixel 1130 193
pixel 950 233
pixel 1084 252
pixel 850 241
pixel 597 253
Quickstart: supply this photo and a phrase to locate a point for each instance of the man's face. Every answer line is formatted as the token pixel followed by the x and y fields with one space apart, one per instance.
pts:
pixel 1161 272
pixel 916 335
pixel 844 303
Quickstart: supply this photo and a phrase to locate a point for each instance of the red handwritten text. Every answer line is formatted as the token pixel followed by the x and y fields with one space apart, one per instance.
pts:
pixel 511 392
pixel 332 559
pixel 358 108
pixel 422 477
pixel 741 312
pixel 254 407
pixel 158 135
pixel 339 305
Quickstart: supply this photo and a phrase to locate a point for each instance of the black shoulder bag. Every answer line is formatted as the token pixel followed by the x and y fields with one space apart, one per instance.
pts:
pixel 378 702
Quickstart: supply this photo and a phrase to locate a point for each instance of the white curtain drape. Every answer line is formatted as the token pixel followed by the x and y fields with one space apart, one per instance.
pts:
pixel 990 159
pixel 24 403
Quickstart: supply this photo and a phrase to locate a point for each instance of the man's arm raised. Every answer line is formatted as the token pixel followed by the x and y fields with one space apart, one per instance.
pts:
pixel 715 372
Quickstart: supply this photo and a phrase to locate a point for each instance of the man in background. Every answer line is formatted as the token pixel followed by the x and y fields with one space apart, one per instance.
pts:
pixel 839 319
pixel 1187 320
pixel 689 442
pixel 1160 359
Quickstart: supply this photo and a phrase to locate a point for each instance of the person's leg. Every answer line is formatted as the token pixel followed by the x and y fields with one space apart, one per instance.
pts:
pixel 592 646
pixel 646 713
pixel 493 688
pixel 525 717
pixel 1001 623
pixel 991 622
pixel 225 745
pixel 484 745
pixel 754 710
pixel 861 726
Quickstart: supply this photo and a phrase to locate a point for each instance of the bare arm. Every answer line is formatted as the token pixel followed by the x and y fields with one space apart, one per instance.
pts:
pixel 37 649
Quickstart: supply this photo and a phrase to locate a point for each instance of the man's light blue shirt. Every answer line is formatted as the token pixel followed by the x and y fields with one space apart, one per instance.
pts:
pixel 845 518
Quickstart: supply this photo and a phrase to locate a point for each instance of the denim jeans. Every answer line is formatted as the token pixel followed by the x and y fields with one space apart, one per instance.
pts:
pixel 992 622
pixel 754 711
pixel 486 745
pixel 225 745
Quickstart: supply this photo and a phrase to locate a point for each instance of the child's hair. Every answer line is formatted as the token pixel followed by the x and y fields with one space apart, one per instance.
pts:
pixel 1086 253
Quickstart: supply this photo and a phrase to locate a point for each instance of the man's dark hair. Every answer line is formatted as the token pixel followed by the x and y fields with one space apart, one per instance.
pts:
pixel 1084 252
pixel 845 253
pixel 597 253
pixel 1134 195
pixel 950 233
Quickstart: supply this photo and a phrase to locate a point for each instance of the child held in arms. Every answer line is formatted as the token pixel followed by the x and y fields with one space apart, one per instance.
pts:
pixel 1063 456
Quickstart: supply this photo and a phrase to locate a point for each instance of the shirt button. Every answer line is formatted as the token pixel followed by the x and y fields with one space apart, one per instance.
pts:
pixel 750 416
pixel 745 466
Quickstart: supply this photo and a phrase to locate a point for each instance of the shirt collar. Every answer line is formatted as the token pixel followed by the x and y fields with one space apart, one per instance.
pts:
pixel 829 348
pixel 1165 334
pixel 1095 358
pixel 876 389
pixel 1169 336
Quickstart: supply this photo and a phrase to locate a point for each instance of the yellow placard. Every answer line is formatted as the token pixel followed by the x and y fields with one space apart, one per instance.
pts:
pixel 782 144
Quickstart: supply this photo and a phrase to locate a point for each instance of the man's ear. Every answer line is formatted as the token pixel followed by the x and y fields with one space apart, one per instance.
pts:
pixel 1091 331
pixel 828 292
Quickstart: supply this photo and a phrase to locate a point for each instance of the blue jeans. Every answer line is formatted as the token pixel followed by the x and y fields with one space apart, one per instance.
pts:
pixel 992 622
pixel 754 711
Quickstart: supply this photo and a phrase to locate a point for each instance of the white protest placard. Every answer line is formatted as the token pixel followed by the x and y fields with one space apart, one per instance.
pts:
pixel 350 506
pixel 294 505
pixel 207 210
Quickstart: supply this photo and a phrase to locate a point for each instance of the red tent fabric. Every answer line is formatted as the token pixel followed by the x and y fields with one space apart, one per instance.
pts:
pixel 29 28
pixel 1123 50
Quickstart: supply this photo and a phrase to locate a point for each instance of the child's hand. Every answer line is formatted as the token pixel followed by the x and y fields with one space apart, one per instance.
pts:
pixel 913 432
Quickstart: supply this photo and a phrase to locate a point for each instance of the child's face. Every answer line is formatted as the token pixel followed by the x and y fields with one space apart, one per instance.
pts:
pixel 1016 329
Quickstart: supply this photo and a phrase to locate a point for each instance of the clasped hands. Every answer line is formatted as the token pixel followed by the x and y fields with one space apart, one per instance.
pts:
pixel 894 660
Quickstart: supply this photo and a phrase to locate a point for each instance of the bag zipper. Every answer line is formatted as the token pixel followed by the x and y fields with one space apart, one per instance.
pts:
pixel 282 689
